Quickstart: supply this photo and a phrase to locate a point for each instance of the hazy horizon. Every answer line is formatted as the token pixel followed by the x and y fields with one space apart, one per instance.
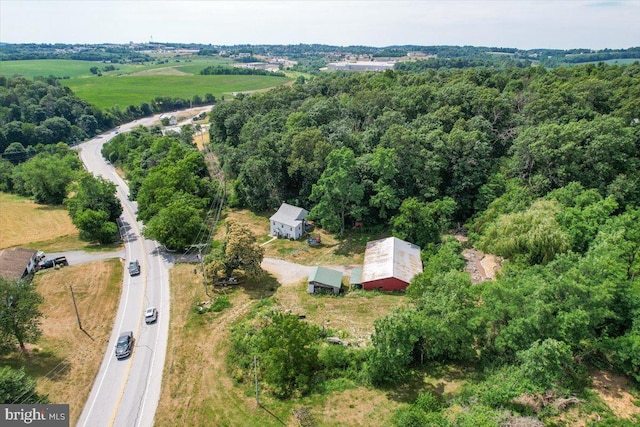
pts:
pixel 565 24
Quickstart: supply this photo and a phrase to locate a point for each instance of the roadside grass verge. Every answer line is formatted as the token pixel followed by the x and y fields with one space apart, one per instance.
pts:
pixel 108 92
pixel 66 360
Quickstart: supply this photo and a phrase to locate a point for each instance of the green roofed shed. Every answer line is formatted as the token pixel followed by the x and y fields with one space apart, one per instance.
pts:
pixel 356 278
pixel 324 279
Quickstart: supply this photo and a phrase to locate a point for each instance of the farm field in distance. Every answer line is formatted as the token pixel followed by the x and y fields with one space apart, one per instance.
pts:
pixel 134 84
pixel 69 68
pixel 107 92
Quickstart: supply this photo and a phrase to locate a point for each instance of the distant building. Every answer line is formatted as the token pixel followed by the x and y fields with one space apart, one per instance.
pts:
pixel 361 66
pixel 260 66
pixel 390 264
pixel 324 279
pixel 16 263
pixel 288 222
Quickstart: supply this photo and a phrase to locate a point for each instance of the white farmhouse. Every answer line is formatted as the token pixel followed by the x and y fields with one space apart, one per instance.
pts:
pixel 288 222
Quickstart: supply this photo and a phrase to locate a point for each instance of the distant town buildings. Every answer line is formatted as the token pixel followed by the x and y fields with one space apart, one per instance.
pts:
pixel 361 66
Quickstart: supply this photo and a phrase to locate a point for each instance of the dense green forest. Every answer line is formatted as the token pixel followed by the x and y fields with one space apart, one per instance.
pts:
pixel 539 166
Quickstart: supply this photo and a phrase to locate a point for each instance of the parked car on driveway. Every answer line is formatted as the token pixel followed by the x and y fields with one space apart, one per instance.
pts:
pixel 124 346
pixel 50 263
pixel 134 268
pixel 150 315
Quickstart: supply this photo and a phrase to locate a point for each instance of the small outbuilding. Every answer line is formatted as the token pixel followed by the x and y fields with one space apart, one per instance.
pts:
pixel 324 279
pixel 355 281
pixel 16 263
pixel 288 222
pixel 390 264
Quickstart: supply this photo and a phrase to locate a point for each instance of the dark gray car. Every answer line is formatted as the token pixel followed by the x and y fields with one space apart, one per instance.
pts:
pixel 124 346
pixel 134 268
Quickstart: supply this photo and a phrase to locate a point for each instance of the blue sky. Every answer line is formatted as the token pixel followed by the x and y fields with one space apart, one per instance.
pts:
pixel 560 24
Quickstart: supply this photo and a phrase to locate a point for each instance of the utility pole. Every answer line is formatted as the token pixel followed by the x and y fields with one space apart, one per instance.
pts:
pixel 255 369
pixel 204 276
pixel 76 307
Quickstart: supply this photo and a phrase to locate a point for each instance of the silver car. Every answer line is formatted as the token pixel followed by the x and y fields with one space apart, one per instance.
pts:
pixel 150 315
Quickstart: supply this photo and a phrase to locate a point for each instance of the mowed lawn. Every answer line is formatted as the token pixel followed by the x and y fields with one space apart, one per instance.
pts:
pixel 24 222
pixel 106 92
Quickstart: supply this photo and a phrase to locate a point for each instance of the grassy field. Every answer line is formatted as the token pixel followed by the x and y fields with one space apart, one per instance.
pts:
pixel 48 67
pixel 133 90
pixel 67 68
pixel 65 360
pixel 47 228
pixel 24 222
pixel 198 388
pixel 133 84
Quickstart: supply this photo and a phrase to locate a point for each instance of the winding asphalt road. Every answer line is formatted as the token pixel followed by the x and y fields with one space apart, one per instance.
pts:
pixel 126 392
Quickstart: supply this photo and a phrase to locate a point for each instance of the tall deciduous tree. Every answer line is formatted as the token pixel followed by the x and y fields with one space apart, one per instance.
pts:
pixel 177 224
pixel 287 354
pixel 19 312
pixel 16 387
pixel 239 251
pixel 338 193
pixel 46 177
pixel 423 223
pixel 534 235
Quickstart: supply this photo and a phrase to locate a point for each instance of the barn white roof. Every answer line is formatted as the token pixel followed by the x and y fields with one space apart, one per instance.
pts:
pixel 391 257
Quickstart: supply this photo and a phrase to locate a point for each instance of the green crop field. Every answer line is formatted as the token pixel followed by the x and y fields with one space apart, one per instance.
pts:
pixel 72 69
pixel 48 67
pixel 106 92
pixel 133 84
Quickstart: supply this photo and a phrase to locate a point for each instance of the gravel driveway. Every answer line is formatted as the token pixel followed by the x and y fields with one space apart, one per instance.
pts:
pixel 290 273
pixel 79 257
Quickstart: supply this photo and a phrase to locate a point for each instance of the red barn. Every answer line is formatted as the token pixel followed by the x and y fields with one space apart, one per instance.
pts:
pixel 390 264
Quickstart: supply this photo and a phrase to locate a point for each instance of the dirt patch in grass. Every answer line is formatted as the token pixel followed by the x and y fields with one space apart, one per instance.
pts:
pixel 24 222
pixel 355 407
pixel 164 71
pixel 66 360
pixel 613 390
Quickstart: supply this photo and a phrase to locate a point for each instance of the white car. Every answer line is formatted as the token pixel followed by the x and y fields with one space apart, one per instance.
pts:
pixel 150 315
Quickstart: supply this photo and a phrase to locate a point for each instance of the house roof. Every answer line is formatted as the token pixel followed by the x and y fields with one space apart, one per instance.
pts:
pixel 391 257
pixel 326 276
pixel 14 261
pixel 289 215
